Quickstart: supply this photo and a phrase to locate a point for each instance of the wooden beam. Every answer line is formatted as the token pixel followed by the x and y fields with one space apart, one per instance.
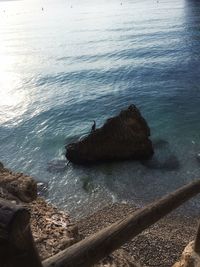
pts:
pixel 197 241
pixel 94 248
pixel 17 247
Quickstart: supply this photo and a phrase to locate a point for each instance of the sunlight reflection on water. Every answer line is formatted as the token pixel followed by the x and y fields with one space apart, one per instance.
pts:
pixel 74 62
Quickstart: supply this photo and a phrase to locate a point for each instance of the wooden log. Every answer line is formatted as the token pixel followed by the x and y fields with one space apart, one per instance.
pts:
pixel 94 248
pixel 17 247
pixel 197 241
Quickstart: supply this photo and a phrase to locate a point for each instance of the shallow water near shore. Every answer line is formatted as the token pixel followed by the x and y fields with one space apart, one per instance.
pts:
pixel 65 64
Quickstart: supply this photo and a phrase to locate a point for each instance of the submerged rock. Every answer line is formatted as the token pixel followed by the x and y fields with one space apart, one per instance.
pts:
pixel 55 166
pixel 164 158
pixel 160 143
pixel 125 136
pixel 171 163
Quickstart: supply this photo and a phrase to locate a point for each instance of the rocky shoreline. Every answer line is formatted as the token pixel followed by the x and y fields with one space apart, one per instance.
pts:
pixel 54 230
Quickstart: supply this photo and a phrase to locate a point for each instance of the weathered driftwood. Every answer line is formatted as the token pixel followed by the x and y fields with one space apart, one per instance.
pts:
pixel 92 249
pixel 17 247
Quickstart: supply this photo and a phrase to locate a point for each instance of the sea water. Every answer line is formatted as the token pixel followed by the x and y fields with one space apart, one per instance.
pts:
pixel 66 63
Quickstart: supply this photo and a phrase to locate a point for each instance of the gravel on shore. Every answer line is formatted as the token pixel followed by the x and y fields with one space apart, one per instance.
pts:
pixel 53 230
pixel 160 245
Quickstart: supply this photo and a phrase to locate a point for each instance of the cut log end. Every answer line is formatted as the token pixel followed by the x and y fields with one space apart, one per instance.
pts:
pixel 17 247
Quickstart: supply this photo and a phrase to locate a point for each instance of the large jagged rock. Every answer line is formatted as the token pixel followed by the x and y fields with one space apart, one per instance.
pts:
pixel 17 185
pixel 125 136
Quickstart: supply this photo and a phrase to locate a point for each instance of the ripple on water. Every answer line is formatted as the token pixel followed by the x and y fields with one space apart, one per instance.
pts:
pixel 87 64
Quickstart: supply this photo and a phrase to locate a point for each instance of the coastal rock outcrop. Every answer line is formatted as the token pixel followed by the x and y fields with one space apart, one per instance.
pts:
pixel 53 230
pixel 122 137
pixel 17 185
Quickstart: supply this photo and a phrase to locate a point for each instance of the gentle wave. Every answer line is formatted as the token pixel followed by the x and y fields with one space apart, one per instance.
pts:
pixel 71 66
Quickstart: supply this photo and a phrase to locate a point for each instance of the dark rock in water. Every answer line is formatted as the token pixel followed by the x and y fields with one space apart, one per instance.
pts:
pixel 171 163
pixel 87 184
pixel 57 166
pixel 125 136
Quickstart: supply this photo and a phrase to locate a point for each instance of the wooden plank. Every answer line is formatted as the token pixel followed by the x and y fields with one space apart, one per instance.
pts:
pixel 197 241
pixel 94 248
pixel 17 248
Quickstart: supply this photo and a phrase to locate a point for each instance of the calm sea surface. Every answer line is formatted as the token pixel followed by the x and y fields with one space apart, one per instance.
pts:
pixel 66 63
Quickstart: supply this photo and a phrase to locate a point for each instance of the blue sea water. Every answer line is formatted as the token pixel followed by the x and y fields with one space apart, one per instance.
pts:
pixel 66 63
